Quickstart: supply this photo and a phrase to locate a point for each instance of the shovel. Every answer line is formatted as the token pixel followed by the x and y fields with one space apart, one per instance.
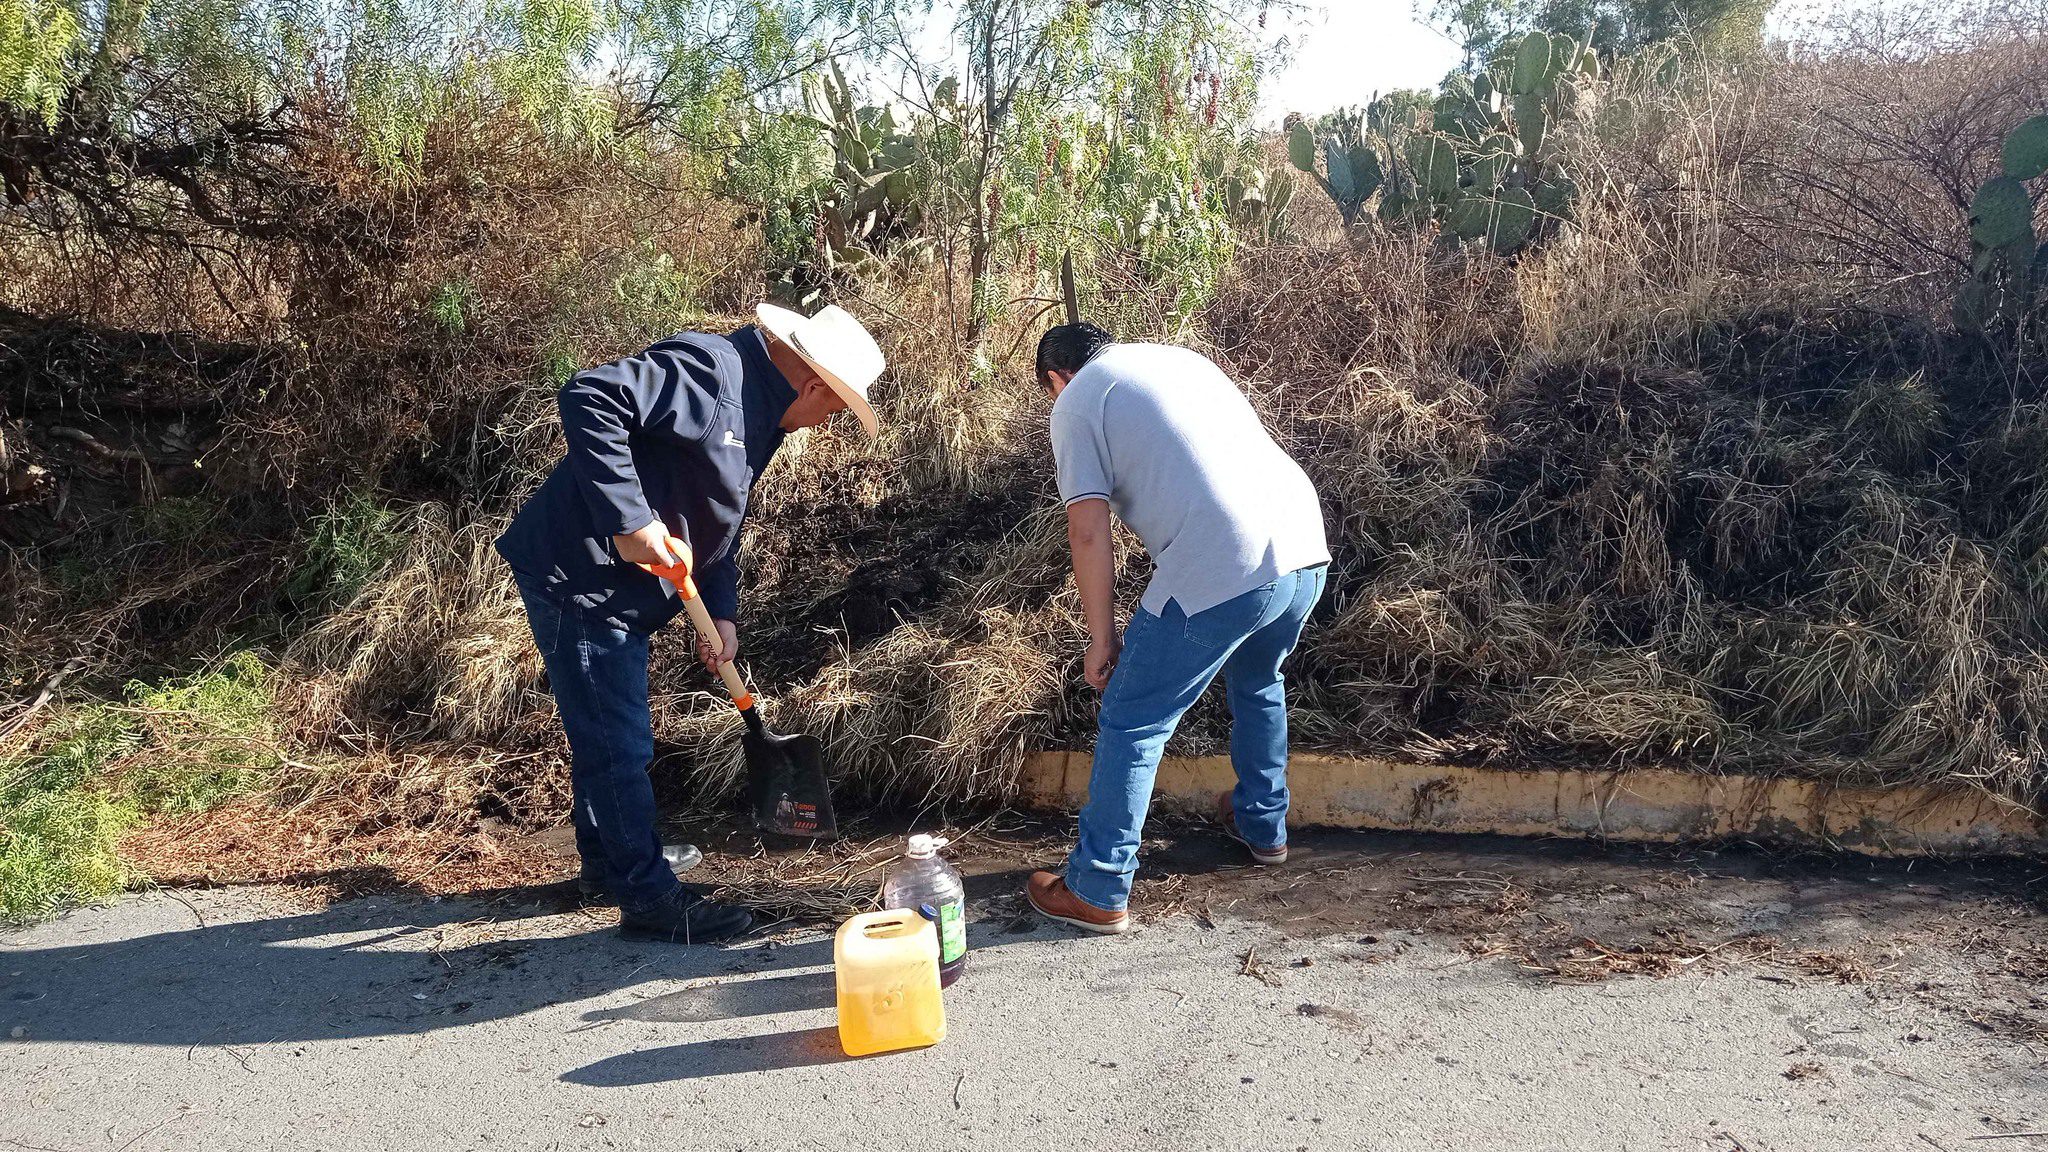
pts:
pixel 786 789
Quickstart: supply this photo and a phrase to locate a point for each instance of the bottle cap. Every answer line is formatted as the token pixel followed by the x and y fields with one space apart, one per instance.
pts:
pixel 923 847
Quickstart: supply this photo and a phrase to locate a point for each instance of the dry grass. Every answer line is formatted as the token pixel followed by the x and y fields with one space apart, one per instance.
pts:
pixel 1688 486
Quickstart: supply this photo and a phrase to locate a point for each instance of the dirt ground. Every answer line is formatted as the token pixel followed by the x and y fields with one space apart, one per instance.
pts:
pixel 1965 935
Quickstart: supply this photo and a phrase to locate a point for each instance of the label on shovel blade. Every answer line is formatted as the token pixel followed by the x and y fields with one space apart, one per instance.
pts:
pixel 793 815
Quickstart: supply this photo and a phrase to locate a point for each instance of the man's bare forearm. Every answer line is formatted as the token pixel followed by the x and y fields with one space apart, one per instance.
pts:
pixel 1088 537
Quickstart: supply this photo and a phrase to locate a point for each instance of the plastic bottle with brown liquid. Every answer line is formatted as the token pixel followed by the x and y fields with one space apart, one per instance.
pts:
pixel 924 882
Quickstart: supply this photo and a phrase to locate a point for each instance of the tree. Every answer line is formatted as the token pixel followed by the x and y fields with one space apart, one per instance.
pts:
pixel 1482 27
pixel 1068 85
pixel 163 117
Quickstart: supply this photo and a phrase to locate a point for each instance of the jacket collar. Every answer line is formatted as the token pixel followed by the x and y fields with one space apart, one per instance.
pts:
pixel 765 395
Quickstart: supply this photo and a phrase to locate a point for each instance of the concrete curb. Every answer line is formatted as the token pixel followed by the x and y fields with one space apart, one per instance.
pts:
pixel 1644 805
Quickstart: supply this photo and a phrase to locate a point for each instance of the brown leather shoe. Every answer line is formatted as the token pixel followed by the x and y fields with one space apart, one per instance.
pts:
pixel 1048 893
pixel 1266 856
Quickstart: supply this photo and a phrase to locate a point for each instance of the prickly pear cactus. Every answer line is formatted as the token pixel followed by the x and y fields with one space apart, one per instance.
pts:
pixel 2008 264
pixel 1352 168
pixel 1511 187
pixel 1534 61
pixel 2025 154
pixel 1434 161
pixel 872 191
pixel 2001 213
pixel 1483 168
pixel 1503 221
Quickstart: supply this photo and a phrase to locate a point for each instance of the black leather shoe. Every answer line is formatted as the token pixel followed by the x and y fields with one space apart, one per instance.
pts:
pixel 591 889
pixel 683 917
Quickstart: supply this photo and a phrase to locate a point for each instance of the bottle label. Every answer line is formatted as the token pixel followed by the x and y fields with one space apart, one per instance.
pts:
pixel 952 931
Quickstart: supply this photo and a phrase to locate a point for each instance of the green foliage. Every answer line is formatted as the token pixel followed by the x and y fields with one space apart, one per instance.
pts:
pixel 880 178
pixel 176 520
pixel 1127 138
pixel 657 294
pixel 37 42
pixel 1484 169
pixel 181 745
pixel 73 750
pixel 1258 201
pixel 1490 30
pixel 211 737
pixel 1355 160
pixel 222 70
pixel 450 306
pixel 350 543
pixel 559 361
pixel 552 43
pixel 2007 262
pixel 58 849
pixel 83 577
pixel 2025 153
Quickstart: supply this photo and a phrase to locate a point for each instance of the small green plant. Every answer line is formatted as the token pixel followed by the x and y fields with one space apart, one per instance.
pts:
pixel 177 519
pixel 561 359
pixel 210 737
pixel 83 577
pixel 2007 265
pixel 181 745
pixel 451 305
pixel 350 543
pixel 658 295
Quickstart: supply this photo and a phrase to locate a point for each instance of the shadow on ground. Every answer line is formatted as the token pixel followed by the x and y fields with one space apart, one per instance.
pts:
pixel 403 965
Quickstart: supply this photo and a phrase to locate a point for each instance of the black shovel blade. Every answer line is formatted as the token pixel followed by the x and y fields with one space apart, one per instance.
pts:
pixel 786 787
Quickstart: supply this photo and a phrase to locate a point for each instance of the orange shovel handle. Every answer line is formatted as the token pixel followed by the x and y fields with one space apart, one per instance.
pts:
pixel 678 574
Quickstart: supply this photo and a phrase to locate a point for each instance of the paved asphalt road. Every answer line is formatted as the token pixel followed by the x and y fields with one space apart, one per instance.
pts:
pixel 239 1019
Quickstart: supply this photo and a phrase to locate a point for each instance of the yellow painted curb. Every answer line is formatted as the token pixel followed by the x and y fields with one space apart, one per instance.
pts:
pixel 1643 805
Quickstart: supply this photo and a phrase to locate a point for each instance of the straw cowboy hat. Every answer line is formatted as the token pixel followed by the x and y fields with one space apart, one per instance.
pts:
pixel 835 344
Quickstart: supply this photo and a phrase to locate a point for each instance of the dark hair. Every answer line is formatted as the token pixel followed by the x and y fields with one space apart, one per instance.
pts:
pixel 1066 347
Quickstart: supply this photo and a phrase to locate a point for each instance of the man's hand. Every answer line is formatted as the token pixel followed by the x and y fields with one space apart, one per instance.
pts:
pixel 647 546
pixel 729 650
pixel 1101 661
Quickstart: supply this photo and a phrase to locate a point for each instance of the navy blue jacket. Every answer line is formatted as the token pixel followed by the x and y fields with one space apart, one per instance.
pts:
pixel 679 431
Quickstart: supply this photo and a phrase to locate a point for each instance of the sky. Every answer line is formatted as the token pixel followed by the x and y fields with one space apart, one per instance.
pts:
pixel 1345 50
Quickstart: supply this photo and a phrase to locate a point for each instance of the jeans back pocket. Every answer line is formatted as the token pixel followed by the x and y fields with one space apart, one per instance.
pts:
pixel 1230 621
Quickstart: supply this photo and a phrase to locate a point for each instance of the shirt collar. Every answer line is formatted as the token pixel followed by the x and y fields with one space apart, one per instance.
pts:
pixel 765 395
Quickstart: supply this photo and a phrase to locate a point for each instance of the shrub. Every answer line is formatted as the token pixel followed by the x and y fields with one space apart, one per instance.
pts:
pixel 179 745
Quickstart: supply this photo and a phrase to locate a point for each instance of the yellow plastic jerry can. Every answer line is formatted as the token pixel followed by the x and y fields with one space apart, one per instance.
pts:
pixel 887 967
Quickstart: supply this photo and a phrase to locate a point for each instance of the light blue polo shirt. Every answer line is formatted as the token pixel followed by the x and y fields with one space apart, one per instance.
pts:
pixel 1162 434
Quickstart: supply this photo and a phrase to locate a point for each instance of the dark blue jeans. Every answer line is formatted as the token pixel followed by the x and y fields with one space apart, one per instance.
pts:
pixel 599 678
pixel 1167 663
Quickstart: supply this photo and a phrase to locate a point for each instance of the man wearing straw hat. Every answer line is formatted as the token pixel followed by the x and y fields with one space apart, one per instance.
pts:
pixel 666 442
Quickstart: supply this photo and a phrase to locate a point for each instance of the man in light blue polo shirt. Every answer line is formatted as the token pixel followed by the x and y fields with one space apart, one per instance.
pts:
pixel 1163 437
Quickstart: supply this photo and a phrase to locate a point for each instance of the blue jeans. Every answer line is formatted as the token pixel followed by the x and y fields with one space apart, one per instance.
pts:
pixel 1167 662
pixel 598 675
